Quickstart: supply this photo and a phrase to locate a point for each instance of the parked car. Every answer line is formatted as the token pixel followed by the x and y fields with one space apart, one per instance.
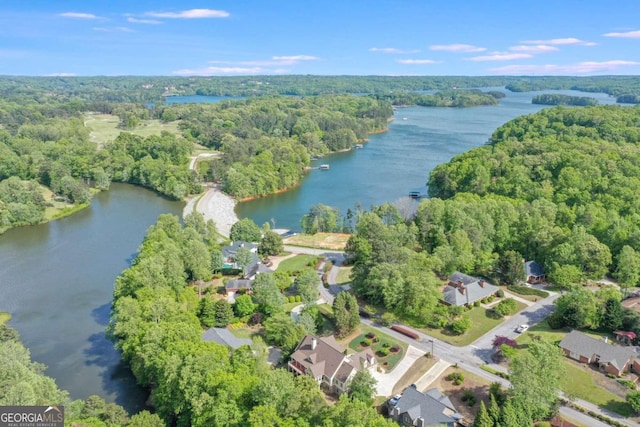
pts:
pixel 522 328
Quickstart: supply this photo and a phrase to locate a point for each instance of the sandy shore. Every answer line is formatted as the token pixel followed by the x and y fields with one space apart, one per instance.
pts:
pixel 215 205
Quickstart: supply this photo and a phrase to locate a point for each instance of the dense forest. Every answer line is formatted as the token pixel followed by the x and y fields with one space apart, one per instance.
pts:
pixel 557 99
pixel 155 323
pixel 443 98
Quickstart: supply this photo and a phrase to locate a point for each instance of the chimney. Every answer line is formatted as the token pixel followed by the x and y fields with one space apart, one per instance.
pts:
pixel 482 283
pixel 462 289
pixel 396 412
pixel 460 283
pixel 314 343
pixel 420 422
pixel 606 339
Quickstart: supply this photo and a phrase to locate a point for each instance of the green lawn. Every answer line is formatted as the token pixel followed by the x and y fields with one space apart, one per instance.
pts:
pixel 297 263
pixel 4 317
pixel 246 332
pixel 391 359
pixel 343 275
pixel 482 323
pixel 288 306
pixel 104 127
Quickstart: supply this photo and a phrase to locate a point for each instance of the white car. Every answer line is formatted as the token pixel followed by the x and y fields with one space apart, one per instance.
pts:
pixel 522 328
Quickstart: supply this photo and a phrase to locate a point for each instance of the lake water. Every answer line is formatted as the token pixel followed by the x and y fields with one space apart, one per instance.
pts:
pixel 57 281
pixel 398 161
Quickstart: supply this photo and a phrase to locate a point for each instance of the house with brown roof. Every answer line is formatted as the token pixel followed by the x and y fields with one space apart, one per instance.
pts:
pixel 463 289
pixel 325 360
pixel 613 359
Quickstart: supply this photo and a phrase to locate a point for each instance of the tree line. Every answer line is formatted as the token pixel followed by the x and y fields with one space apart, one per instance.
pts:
pixel 557 99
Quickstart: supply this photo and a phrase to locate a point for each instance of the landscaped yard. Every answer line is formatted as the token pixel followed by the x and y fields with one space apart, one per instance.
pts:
pixel 482 322
pixel 414 373
pixel 331 241
pixel 472 384
pixel 298 263
pixel 387 350
pixel 246 332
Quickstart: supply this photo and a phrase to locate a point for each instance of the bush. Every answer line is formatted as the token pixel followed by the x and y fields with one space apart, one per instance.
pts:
pixel 628 384
pixel 471 401
pixel 383 352
pixel 476 304
pixel 466 395
pixel 456 377
pixel 461 325
pixel 298 298
pixel 506 307
pixel 255 319
pixel 387 319
pixel 500 293
pixel 370 335
pixel 365 342
pixel 386 345
pixel 544 424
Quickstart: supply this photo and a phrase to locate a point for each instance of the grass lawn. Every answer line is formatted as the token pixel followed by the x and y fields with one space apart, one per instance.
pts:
pixel 4 317
pixel 104 127
pixel 246 332
pixel 343 275
pixel 331 241
pixel 387 362
pixel 417 370
pixel 288 306
pixel 297 263
pixel 482 323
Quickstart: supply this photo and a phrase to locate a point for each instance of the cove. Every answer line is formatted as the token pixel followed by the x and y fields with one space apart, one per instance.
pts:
pixel 57 280
pixel 393 163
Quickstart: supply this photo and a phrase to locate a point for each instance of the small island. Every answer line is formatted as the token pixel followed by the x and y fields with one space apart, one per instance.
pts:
pixel 557 99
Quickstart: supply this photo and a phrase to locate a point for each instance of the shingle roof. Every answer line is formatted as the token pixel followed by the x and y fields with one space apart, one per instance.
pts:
pixel 431 406
pixel 532 268
pixel 238 284
pixel 473 289
pixel 583 345
pixel 231 250
pixel 224 337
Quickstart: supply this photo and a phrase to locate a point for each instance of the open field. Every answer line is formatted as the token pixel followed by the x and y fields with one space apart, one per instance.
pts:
pixel 482 323
pixel 104 127
pixel 330 241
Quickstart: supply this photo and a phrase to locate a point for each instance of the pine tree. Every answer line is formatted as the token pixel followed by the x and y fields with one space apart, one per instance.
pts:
pixel 508 416
pixel 482 417
pixel 206 312
pixel 494 409
pixel 223 313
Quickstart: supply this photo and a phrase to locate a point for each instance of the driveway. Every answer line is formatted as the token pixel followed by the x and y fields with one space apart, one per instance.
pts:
pixel 387 381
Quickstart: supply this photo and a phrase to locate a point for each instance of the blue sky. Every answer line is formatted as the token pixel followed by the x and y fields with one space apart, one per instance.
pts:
pixel 331 37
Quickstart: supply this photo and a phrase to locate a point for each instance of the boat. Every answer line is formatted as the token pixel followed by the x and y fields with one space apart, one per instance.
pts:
pixel 415 194
pixel 358 146
pixel 324 167
pixel 404 118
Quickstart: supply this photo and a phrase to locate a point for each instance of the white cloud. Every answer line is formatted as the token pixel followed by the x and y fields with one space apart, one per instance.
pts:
pixel 586 67
pixel 501 56
pixel 191 14
pixel 392 50
pixel 462 48
pixel 79 15
pixel 113 29
pixel 212 71
pixel 295 58
pixel 561 41
pixel 626 35
pixel 537 48
pixel 143 21
pixel 418 61
pixel 60 75
pixel 274 61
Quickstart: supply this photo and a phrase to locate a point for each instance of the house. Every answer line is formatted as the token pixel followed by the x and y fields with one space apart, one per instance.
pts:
pixel 463 289
pixel 613 359
pixel 430 408
pixel 534 272
pixel 229 254
pixel 236 285
pixel 250 271
pixel 325 360
pixel 625 337
pixel 224 337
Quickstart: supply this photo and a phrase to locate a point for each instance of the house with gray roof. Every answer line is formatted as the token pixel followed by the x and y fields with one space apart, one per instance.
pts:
pixel 224 337
pixel 428 409
pixel 534 272
pixel 463 289
pixel 613 359
pixel 325 360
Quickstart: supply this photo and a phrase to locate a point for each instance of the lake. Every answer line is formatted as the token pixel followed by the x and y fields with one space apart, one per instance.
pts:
pixel 398 161
pixel 57 281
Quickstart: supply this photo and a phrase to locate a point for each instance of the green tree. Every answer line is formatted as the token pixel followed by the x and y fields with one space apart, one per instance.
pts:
pixel 223 313
pixel 244 258
pixel 267 294
pixel 306 284
pixel 634 400
pixel 207 312
pixel 346 313
pixel 510 268
pixel 362 387
pixel 535 377
pixel 145 419
pixel 217 260
pixel 628 270
pixel 509 416
pixel 245 230
pixel 578 308
pixel 613 315
pixel 483 419
pixel 271 244
pixel 494 409
pixel 244 305
pixel 281 330
pixel 461 325
pixel 321 218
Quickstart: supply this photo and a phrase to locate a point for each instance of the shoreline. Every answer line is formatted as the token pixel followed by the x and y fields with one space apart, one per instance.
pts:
pixel 214 205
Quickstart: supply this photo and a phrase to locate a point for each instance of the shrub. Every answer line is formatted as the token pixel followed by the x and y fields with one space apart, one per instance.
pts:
pixel 383 352
pixel 365 342
pixel 476 304
pixel 466 395
pixel 298 298
pixel 500 293
pixel 492 298
pixel 525 290
pixel 544 424
pixel 471 401
pixel 628 384
pixel 506 307
pixel 370 335
pixel 387 319
pixel 461 325
pixel 394 349
pixel 255 319
pixel 386 345
pixel 611 375
pixel 456 377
